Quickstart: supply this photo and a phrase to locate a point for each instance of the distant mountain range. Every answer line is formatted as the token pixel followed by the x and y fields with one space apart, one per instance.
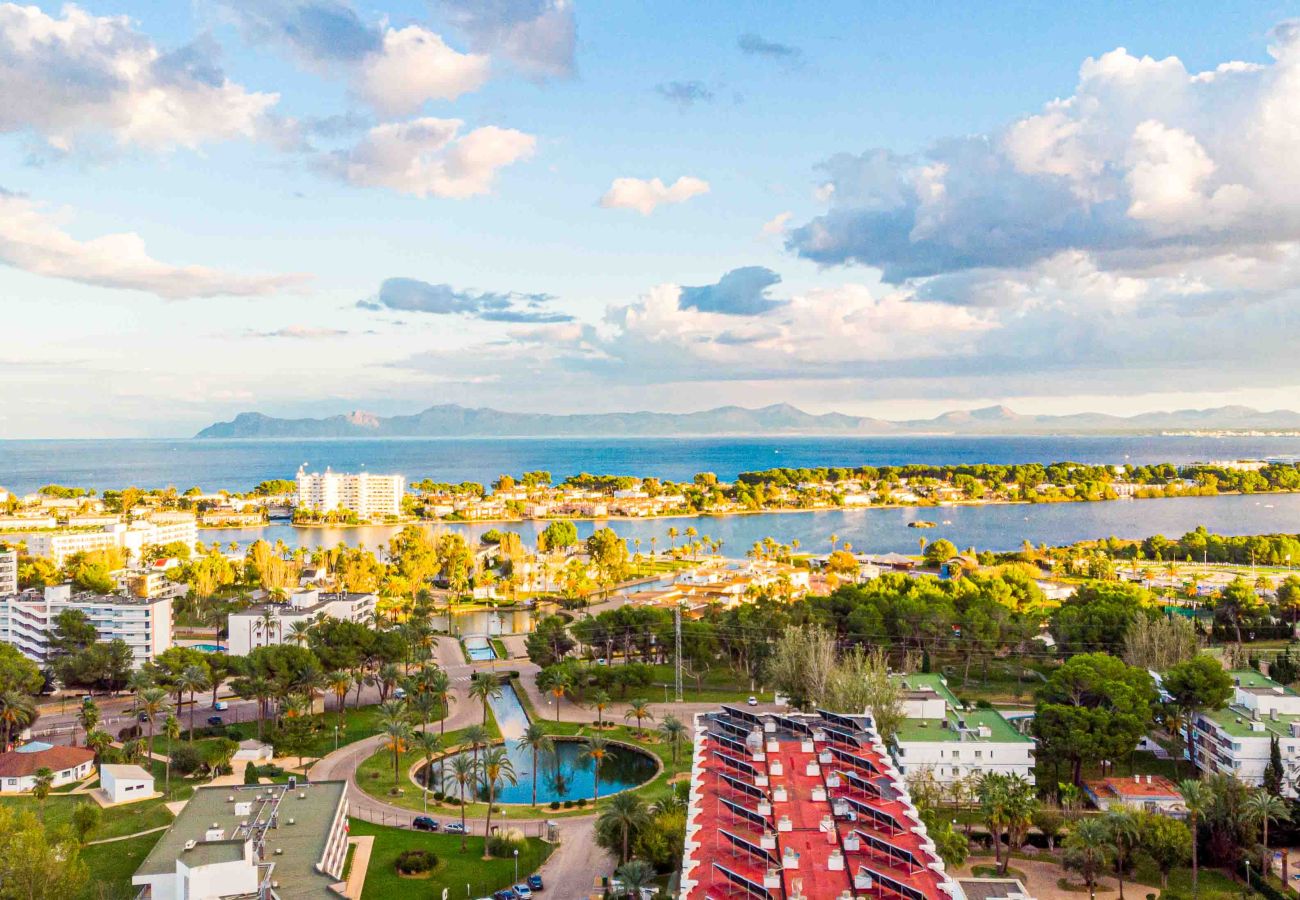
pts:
pixel 450 420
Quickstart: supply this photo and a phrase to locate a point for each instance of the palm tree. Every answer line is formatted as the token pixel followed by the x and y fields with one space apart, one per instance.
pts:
pixel 834 539
pixel 1262 808
pixel 1085 850
pixel 993 807
pixel 428 744
pixel 339 682
pixel 600 700
pixel 639 709
pixel 496 767
pixel 153 703
pixel 484 688
pixel 192 679
pixel 423 705
pixel 99 741
pixel 1122 828
pixel 597 750
pixel 397 736
pixel 135 683
pixel 635 875
pixel 172 730
pixel 626 812
pixel 440 687
pixel 41 789
pixel 672 538
pixel 1197 797
pixel 672 730
pixel 87 718
pixel 300 631
pixel 17 711
pixel 537 740
pixel 464 771
pixel 477 737
pixel 557 682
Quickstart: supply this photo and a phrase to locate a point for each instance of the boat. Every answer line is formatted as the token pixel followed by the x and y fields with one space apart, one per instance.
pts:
pixel 921 523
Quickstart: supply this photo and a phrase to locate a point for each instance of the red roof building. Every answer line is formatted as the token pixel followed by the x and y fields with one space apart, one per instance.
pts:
pixel 802 807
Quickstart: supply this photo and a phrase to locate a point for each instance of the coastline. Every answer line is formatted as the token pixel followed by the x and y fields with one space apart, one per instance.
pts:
pixel 726 514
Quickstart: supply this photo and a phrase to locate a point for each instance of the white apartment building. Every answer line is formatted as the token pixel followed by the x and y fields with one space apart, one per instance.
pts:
pixel 26 620
pixel 60 544
pixel 272 623
pixel 1237 740
pixel 8 572
pixel 267 841
pixel 369 496
pixel 950 742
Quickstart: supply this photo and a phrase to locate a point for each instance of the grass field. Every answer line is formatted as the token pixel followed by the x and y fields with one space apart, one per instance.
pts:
pixel 114 822
pixel 455 869
pixel 112 865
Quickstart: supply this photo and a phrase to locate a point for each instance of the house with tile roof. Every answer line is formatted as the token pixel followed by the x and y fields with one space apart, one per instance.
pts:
pixel 18 767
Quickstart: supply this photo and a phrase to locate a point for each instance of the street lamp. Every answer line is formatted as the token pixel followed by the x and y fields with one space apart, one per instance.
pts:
pixel 336 737
pixel 517 866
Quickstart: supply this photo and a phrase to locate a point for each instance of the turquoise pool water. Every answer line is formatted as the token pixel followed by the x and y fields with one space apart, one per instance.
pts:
pixel 209 648
pixel 479 649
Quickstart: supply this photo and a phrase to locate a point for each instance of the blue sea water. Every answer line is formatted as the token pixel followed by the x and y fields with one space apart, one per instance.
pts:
pixel 240 464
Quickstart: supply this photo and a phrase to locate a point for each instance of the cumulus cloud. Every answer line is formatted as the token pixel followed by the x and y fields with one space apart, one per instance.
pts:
pixel 77 78
pixel 740 292
pixel 1146 160
pixel 684 93
pixel 430 157
pixel 644 196
pixel 538 36
pixel 752 44
pixel 776 225
pixel 33 239
pixel 394 70
pixel 411 295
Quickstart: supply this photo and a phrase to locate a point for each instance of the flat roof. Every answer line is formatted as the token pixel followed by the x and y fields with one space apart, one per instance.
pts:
pixel 1139 787
pixel 1237 721
pixel 943 731
pixel 931 681
pixel 300 845
pixel 991 888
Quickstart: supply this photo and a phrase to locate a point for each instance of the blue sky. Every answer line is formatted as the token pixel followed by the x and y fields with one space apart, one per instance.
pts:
pixel 875 208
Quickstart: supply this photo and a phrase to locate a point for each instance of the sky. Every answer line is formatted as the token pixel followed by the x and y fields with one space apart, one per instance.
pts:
pixel 305 207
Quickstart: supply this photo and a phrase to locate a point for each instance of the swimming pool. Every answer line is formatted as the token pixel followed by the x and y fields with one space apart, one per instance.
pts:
pixel 208 648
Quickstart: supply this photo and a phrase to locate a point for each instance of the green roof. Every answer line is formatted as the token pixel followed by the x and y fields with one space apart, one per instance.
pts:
pixel 300 845
pixel 932 680
pixel 933 730
pixel 1250 679
pixel 1227 719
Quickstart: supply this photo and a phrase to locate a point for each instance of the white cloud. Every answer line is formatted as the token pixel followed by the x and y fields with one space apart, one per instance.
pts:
pixel 414 66
pixel 429 157
pixel 538 36
pixel 776 225
pixel 33 240
pixel 643 196
pixel 80 77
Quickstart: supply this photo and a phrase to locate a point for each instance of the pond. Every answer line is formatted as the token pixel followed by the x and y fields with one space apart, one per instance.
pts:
pixel 479 649
pixel 562 774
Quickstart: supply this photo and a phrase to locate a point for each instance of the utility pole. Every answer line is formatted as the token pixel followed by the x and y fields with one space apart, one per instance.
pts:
pixel 677 634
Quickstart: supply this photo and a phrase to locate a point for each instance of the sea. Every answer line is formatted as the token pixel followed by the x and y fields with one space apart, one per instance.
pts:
pixel 240 464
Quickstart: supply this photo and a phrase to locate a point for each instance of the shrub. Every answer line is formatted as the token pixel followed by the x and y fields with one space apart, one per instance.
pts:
pixel 186 759
pixel 568 804
pixel 129 733
pixel 504 846
pixel 250 774
pixel 415 862
pixel 582 801
pixel 555 804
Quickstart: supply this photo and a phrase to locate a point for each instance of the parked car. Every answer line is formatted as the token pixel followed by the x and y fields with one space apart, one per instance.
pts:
pixel 504 895
pixel 456 828
pixel 523 892
pixel 143 717
pixel 399 693
pixel 424 823
pixel 752 701
pixel 221 706
pixel 535 882
pixel 215 720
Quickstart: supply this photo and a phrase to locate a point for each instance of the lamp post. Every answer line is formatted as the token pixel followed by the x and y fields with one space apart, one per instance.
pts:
pixel 336 737
pixel 517 867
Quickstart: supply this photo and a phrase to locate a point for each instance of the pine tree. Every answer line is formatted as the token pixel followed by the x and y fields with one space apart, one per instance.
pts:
pixel 1273 772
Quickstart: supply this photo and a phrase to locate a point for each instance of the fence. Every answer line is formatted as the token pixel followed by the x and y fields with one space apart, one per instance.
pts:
pixel 393 818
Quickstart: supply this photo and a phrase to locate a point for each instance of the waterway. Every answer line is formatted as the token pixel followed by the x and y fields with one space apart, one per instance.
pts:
pixel 989 527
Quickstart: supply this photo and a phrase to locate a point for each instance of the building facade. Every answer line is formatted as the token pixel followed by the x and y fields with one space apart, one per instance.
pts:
pixel 18 768
pixel 369 496
pixel 273 623
pixel 59 544
pixel 8 572
pixel 941 738
pixel 26 620
pixel 1237 740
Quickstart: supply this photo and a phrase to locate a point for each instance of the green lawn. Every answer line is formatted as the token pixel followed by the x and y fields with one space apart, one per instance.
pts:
pixel 114 822
pixel 112 865
pixel 720 685
pixel 455 868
